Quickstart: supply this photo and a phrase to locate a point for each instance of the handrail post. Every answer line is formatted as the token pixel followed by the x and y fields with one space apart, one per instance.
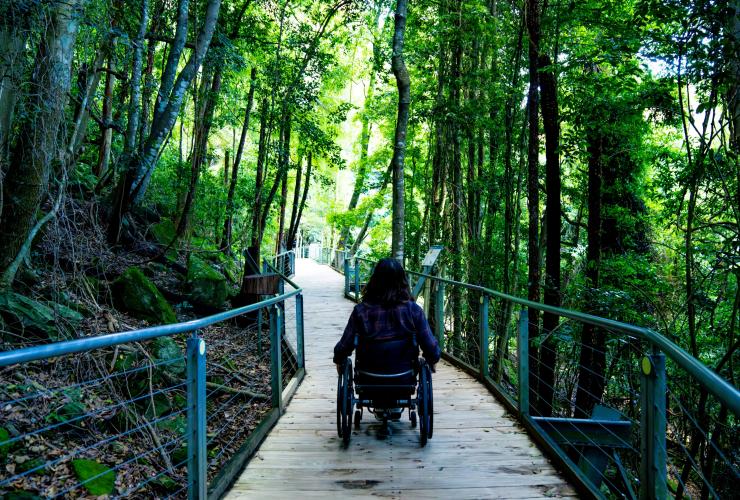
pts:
pixel 357 279
pixel 196 418
pixel 523 355
pixel 653 427
pixel 346 277
pixel 439 315
pixel 483 331
pixel 299 330
pixel 276 372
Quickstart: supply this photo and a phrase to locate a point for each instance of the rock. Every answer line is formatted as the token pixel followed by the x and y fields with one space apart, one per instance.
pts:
pixel 206 287
pixel 163 232
pixel 134 293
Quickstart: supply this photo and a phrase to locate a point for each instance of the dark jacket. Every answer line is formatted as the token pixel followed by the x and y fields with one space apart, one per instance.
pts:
pixel 383 332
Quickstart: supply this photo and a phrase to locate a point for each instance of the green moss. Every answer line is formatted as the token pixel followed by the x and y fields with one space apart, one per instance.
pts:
pixel 163 231
pixel 206 286
pixel 97 478
pixel 134 293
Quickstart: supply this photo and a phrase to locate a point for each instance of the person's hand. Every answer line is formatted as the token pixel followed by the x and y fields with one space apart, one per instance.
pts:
pixel 339 368
pixel 433 367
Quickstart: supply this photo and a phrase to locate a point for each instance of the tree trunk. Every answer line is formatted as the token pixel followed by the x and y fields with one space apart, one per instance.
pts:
pixel 134 107
pixel 509 219
pixel 533 200
pixel 403 83
pixel 201 146
pixel 290 239
pixel 12 55
pixel 592 362
pixel 369 217
pixel 173 59
pixel 132 185
pixel 457 187
pixel 548 350
pixel 106 134
pixel 294 232
pixel 285 161
pixel 252 265
pixel 229 221
pixel 361 173
pixel 733 90
pixel 37 147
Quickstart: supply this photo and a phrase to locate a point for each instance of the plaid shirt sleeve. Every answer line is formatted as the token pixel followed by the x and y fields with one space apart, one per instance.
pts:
pixel 346 344
pixel 427 342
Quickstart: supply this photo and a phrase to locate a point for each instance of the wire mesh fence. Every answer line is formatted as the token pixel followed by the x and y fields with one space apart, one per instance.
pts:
pixel 118 415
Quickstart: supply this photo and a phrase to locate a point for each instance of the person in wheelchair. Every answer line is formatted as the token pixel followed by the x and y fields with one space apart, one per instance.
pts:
pixel 387 328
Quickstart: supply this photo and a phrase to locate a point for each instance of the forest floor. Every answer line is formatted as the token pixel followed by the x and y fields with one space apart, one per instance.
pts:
pixel 112 421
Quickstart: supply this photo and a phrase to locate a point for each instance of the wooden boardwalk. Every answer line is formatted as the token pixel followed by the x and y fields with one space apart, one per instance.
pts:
pixel 477 451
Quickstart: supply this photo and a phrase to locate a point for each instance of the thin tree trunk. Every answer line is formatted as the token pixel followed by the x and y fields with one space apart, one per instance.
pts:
pixel 12 55
pixel 229 221
pixel 201 147
pixel 133 183
pixel 533 200
pixel 134 107
pixel 369 217
pixel 509 220
pixel 37 148
pixel 285 160
pixel 361 173
pixel 548 351
pixel 79 128
pixel 302 204
pixel 106 135
pixel 592 362
pixel 403 83
pixel 173 59
pixel 290 240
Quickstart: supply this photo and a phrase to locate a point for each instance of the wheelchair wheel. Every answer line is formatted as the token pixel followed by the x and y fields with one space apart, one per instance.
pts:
pixel 430 402
pixel 345 404
pixel 358 417
pixel 340 402
pixel 425 403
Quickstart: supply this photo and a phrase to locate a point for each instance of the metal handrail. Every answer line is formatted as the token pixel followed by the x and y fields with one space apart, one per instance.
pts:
pixel 709 379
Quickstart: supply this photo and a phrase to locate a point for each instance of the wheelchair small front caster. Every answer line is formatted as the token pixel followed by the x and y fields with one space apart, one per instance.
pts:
pixel 412 416
pixel 358 417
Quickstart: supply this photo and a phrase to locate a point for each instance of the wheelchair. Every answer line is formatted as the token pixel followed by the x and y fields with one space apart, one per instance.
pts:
pixel 385 395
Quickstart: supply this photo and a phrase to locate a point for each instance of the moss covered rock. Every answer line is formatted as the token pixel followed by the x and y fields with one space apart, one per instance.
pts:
pixel 206 286
pixel 163 232
pixel 134 293
pixel 47 318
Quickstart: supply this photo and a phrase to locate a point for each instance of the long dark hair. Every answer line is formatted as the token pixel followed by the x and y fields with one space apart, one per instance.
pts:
pixel 388 285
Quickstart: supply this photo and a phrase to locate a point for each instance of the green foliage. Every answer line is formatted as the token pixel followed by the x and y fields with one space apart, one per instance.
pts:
pixel 98 479
pixel 166 350
pixel 47 318
pixel 4 448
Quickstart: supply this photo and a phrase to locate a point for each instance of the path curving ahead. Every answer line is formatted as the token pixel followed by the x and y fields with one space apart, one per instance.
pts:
pixel 476 452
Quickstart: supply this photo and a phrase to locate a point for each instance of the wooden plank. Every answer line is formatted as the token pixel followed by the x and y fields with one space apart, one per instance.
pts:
pixel 477 451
